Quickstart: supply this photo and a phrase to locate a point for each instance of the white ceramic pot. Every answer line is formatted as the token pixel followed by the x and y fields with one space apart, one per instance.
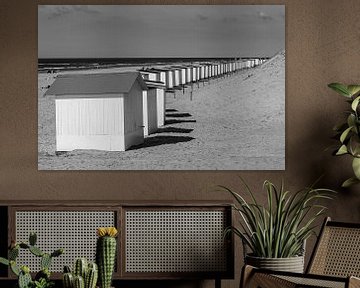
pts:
pixel 291 264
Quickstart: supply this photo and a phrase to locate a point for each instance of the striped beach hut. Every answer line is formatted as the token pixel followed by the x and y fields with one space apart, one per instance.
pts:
pixel 98 111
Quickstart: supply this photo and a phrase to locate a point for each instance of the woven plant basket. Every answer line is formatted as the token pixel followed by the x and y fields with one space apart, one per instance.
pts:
pixel 291 264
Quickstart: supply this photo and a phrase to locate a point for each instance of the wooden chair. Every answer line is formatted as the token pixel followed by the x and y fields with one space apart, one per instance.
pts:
pixel 334 263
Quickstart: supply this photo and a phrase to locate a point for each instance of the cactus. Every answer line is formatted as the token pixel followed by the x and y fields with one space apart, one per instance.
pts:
pixel 79 282
pixel 68 280
pixel 32 239
pixel 24 280
pixel 91 276
pixel 45 261
pixel 87 272
pixel 105 255
pixel 80 267
pixel 36 251
pixel 13 253
pixel 42 278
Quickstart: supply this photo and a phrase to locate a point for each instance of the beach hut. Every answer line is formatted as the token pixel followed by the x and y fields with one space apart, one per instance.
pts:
pixel 161 74
pixel 202 72
pixel 98 111
pixel 195 74
pixel 183 77
pixel 149 110
pixel 169 79
pixel 176 75
pixel 156 90
pixel 189 74
pixel 206 71
pixel 149 74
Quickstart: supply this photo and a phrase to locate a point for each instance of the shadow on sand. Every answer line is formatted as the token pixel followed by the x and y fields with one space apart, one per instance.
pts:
pixel 176 121
pixel 171 110
pixel 179 115
pixel 173 130
pixel 161 140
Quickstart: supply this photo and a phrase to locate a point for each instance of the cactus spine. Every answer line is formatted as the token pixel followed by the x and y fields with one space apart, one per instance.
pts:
pixel 106 254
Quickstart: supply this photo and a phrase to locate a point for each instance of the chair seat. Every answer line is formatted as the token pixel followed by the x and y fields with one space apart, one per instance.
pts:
pixel 268 279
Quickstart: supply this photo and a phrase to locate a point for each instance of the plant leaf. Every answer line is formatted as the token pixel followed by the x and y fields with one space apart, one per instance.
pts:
pixel 356 167
pixel 355 103
pixel 340 88
pixel 4 261
pixel 345 134
pixel 349 182
pixel 342 150
pixel 353 89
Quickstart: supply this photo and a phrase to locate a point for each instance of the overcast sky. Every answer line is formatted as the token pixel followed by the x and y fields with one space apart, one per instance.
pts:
pixel 160 30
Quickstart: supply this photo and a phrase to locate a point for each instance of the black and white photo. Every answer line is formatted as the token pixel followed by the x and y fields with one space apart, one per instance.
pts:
pixel 161 87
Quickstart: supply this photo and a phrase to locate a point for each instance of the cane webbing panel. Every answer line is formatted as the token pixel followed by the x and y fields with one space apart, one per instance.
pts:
pixel 338 252
pixel 174 241
pixel 313 282
pixel 74 231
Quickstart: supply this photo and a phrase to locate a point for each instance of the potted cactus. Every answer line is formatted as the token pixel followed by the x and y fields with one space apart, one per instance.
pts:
pixel 84 275
pixel 42 278
pixel 106 254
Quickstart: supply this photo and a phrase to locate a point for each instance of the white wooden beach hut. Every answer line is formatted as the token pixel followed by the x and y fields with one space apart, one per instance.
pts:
pixel 149 112
pixel 183 75
pixel 183 70
pixel 169 79
pixel 161 74
pixel 149 74
pixel 195 73
pixel 157 90
pixel 98 111
pixel 206 71
pixel 176 75
pixel 189 74
pixel 202 72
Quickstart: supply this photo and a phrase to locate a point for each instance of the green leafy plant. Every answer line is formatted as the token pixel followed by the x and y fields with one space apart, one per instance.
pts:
pixel 279 229
pixel 42 278
pixel 348 132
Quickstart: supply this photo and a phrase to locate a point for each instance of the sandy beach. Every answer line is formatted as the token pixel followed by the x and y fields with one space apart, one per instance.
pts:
pixel 232 123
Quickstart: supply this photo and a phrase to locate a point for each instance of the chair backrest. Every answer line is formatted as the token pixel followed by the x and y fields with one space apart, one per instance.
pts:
pixel 337 251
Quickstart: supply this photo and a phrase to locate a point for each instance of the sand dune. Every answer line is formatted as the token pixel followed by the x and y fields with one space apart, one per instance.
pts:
pixel 231 123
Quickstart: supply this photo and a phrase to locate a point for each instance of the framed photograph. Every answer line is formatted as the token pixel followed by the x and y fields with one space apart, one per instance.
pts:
pixel 161 87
